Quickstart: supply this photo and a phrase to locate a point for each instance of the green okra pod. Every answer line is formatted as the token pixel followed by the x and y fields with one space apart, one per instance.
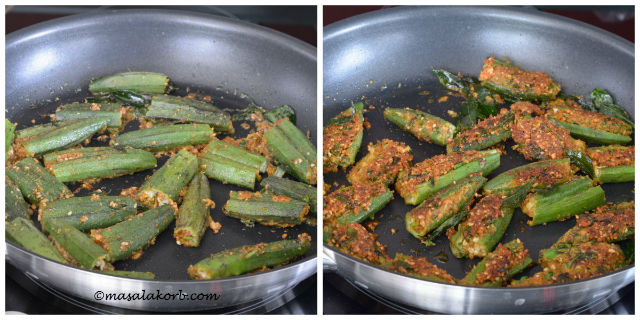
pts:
pixel 611 222
pixel 139 82
pixel 431 175
pixel 9 133
pixel 382 164
pixel 292 149
pixel 227 170
pixel 267 209
pixel 512 82
pixel 130 274
pixel 189 110
pixel 77 245
pixel 292 189
pixel 78 111
pixel 30 132
pixel 64 136
pixel 484 134
pixel 422 125
pixel 36 183
pixel 165 137
pixel 283 111
pixel 193 214
pixel 499 266
pixel 97 163
pixel 24 233
pixel 442 205
pixel 613 163
pixel 355 203
pixel 240 155
pixel 90 212
pixel 244 259
pixel 603 102
pixel 592 135
pixel 544 173
pixel 130 237
pixel 14 204
pixel 342 138
pixel 562 201
pixel 165 185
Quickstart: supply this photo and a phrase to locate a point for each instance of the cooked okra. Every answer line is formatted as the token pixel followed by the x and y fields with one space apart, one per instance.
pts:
pixel 63 136
pixel 9 133
pixel 355 203
pixel 422 125
pixel 499 266
pixel 592 127
pixel 419 267
pixel 76 245
pixel 509 80
pixel 265 208
pixel 76 111
pixel 139 82
pixel 165 137
pixel 293 189
pixel 130 274
pixel 538 138
pixel 90 212
pixel 293 150
pixel 36 183
pixel 24 233
pixel 165 185
pixel 484 134
pixel 193 214
pixel 435 173
pixel 342 138
pixel 244 259
pixel 543 173
pixel 353 239
pixel 189 110
pixel 382 164
pixel 14 204
pixel 613 163
pixel 611 222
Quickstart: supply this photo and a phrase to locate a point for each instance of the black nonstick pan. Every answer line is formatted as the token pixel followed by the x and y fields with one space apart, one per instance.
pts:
pixel 232 61
pixel 385 58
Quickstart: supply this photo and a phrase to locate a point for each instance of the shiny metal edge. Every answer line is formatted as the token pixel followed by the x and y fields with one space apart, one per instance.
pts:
pixel 177 297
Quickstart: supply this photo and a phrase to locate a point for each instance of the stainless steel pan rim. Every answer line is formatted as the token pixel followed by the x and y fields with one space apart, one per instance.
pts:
pixel 301 62
pixel 375 39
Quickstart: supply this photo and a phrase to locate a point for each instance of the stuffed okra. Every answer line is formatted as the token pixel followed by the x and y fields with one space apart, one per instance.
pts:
pixel 419 267
pixel 193 214
pixel 499 266
pixel 128 238
pixel 76 245
pixel 433 174
pixel 613 163
pixel 422 125
pixel 442 205
pixel 36 183
pixel 484 134
pixel 189 110
pixel 227 163
pixel 265 208
pixel 382 164
pixel 543 173
pixel 611 222
pixel 293 150
pixel 562 201
pixel 165 185
pixel 292 189
pixel 91 212
pixel 244 259
pixel 139 82
pixel 592 127
pixel 355 203
pixel 14 203
pixel 23 232
pixel 97 163
pixel 353 239
pixel 165 137
pixel 538 138
pixel 342 138
pixel 510 81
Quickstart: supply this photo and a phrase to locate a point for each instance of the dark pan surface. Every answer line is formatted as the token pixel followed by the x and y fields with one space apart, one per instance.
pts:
pixel 378 60
pixel 231 61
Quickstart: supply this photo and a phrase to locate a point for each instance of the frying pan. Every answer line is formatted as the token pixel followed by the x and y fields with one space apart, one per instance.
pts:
pixel 231 61
pixel 386 57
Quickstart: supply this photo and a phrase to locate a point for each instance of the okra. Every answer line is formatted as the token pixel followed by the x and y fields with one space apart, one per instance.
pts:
pixel 128 238
pixel 562 201
pixel 292 149
pixel 419 267
pixel 283 111
pixel 91 212
pixel 486 223
pixel 240 155
pixel 76 244
pixel 602 101
pixel 9 133
pixel 382 164
pixel 193 215
pixel 292 189
pixel 342 138
pixel 422 125
pixel 30 132
pixel 24 233
pixel 64 136
pixel 189 110
pixel 433 174
pixel 139 82
pixel 484 134
pixel 538 138
pixel 36 183
pixel 499 266
pixel 165 137
pixel 165 185
pixel 244 259
pixel 354 240
pixel 78 111
pixel 452 222
pixel 355 203
pixel 510 81
pixel 227 170
pixel 264 208
pixel 613 163
pixel 130 274
pixel 97 163
pixel 611 222
pixel 442 205
pixel 544 173
pixel 14 204
pixel 592 127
